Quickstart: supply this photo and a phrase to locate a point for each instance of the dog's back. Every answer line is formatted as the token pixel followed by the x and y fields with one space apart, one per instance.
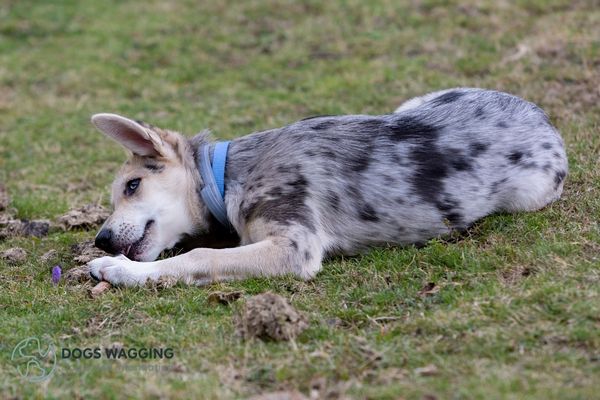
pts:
pixel 439 163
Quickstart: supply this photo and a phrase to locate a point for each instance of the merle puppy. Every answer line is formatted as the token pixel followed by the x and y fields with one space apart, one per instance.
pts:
pixel 324 186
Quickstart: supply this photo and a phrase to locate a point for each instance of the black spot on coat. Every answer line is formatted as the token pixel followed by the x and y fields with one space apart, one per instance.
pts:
pixel 515 157
pixel 275 192
pixel 529 165
pixel 321 126
pixel 558 178
pixel 479 113
pixel 449 208
pixel 307 255
pixel 359 162
pixel 431 168
pixel 454 218
pixel 411 128
pixel 478 148
pixel 367 213
pixel 448 97
pixel 461 163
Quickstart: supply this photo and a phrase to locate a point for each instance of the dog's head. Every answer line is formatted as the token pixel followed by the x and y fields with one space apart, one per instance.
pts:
pixel 154 194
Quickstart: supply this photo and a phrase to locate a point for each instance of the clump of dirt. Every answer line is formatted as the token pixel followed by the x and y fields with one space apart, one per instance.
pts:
pixel 224 297
pixel 15 255
pixel 86 251
pixel 79 274
pixel 86 217
pixel 4 198
pixel 5 218
pixel 516 274
pixel 428 370
pixel 166 282
pixel 10 227
pixel 16 227
pixel 269 316
pixel 49 256
pixel 280 395
pixel 83 253
pixel 429 289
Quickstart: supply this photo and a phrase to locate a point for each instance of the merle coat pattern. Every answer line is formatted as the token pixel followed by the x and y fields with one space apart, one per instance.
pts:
pixel 335 185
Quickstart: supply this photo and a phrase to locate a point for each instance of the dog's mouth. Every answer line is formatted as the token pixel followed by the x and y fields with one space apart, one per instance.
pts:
pixel 136 249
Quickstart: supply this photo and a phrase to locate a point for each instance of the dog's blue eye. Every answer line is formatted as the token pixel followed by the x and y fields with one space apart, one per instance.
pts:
pixel 132 185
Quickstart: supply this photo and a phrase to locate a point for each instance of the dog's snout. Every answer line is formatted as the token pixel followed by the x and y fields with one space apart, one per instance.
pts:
pixel 104 241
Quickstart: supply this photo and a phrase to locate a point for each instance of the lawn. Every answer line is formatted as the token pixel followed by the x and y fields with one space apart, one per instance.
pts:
pixel 509 310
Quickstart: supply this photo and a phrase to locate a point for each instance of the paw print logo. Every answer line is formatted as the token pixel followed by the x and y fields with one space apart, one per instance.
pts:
pixel 34 359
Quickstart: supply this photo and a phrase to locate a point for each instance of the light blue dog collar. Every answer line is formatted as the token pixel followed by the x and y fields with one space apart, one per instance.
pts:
pixel 213 176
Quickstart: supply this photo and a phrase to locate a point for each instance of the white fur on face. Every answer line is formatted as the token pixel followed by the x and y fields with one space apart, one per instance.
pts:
pixel 156 216
pixel 167 201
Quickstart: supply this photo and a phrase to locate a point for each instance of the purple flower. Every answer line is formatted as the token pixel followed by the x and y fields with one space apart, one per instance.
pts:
pixel 56 274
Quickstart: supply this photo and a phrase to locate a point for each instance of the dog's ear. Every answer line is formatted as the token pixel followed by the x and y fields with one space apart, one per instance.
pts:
pixel 130 134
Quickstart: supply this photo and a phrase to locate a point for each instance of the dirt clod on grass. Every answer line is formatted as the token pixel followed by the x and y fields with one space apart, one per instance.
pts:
pixel 269 316
pixel 429 289
pixel 224 297
pixel 83 253
pixel 79 274
pixel 280 395
pixel 428 370
pixel 4 198
pixel 86 251
pixel 516 274
pixel 15 255
pixel 49 256
pixel 166 282
pixel 10 227
pixel 5 218
pixel 17 227
pixel 87 217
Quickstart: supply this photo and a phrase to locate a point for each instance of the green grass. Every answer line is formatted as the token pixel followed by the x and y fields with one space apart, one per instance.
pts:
pixel 518 310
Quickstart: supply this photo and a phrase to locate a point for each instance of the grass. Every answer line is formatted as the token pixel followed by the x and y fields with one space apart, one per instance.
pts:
pixel 517 310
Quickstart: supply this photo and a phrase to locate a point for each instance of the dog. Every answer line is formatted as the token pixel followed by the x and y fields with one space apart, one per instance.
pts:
pixel 323 186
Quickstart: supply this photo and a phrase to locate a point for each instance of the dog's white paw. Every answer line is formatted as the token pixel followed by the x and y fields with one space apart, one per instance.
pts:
pixel 121 271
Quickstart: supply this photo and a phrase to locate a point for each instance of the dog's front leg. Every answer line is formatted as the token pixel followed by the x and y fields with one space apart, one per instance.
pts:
pixel 120 270
pixel 269 257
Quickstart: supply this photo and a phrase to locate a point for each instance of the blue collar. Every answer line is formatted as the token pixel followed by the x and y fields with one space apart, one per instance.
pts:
pixel 213 177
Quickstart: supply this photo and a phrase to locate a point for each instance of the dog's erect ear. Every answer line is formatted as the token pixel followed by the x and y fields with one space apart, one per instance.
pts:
pixel 130 134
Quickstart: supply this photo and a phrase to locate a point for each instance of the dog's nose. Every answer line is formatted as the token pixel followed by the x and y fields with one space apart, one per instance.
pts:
pixel 103 241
